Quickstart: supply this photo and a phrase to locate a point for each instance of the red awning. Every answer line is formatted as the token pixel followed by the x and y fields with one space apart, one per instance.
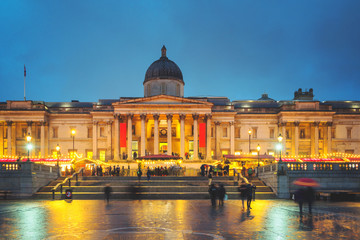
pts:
pixel 321 159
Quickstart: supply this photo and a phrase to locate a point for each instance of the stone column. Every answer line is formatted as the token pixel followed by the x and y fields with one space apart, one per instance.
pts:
pixel 143 134
pixel 182 135
pixel 208 136
pixel 169 135
pixel 109 140
pixel 232 138
pixel 196 137
pixel 117 137
pixel 95 139
pixel 9 139
pixel 316 138
pixel 1 139
pixel 329 137
pixel 296 124
pixel 129 136
pixel 156 133
pixel 283 134
pixel 42 139
pixel 217 140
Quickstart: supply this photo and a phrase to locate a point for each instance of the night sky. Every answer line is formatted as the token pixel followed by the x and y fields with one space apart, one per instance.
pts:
pixel 89 50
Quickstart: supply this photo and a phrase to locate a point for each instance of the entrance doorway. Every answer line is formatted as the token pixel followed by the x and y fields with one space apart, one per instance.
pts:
pixel 163 148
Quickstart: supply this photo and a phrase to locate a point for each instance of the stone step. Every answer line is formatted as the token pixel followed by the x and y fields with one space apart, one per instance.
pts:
pixel 142 188
pixel 148 195
pixel 184 178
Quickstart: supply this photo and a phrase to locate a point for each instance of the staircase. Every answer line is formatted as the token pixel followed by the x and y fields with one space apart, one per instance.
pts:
pixel 169 187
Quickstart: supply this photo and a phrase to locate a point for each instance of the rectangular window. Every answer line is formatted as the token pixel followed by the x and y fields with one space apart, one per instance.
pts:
pixel 89 154
pixel 254 132
pixel 302 133
pixel 24 132
pixel 288 135
pixel 348 133
pixel 55 132
pixel 102 131
pixel 54 154
pixel 102 155
pixel 333 135
pixel 237 133
pixel 225 134
pixel 321 134
pixel 272 133
pixel 90 132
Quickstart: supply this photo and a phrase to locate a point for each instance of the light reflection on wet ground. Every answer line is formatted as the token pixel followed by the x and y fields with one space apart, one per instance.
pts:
pixel 175 219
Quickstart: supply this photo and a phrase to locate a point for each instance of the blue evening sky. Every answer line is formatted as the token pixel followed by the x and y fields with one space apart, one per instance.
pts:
pixel 90 50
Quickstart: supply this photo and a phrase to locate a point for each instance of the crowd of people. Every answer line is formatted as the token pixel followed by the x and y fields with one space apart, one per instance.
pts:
pixel 219 170
pixel 99 170
pixel 217 191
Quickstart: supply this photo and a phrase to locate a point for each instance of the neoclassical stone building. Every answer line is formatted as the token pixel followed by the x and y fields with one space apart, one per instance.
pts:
pixel 166 122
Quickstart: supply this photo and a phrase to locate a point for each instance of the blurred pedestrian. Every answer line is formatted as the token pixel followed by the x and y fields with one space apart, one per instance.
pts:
pixel 250 172
pixel 107 191
pixel 221 194
pixel 242 189
pixel 305 195
pixel 139 173
pixel 213 194
pixel 249 194
pixel 210 178
pixel 148 174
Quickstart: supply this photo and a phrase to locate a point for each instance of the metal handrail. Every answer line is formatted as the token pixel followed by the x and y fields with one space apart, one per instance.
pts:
pixel 68 179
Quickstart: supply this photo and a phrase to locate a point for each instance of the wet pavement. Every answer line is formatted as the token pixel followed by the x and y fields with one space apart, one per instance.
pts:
pixel 176 219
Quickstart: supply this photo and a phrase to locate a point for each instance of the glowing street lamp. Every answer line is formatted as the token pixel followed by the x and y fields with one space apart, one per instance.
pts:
pixel 280 138
pixel 249 140
pixel 258 150
pixel 29 146
pixel 73 132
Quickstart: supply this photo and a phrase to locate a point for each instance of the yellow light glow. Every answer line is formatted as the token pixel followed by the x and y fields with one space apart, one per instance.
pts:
pixel 73 132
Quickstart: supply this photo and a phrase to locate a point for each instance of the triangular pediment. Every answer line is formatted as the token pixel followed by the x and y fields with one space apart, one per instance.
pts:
pixel 163 99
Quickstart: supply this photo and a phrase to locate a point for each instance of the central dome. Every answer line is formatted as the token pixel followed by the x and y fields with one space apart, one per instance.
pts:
pixel 163 68
pixel 163 77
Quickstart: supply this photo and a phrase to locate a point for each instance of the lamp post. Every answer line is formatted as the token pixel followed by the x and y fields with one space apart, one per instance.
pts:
pixel 258 150
pixel 280 138
pixel 29 146
pixel 249 140
pixel 73 132
pixel 57 161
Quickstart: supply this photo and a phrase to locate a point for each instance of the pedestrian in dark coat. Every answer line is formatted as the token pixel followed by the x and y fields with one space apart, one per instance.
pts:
pixel 305 195
pixel 139 173
pixel 107 191
pixel 210 178
pixel 221 194
pixel 213 194
pixel 148 174
pixel 249 194
pixel 242 189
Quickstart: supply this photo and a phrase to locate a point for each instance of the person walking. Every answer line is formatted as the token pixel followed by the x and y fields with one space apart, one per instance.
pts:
pixel 250 172
pixel 221 194
pixel 249 194
pixel 139 173
pixel 210 178
pixel 148 174
pixel 212 193
pixel 242 189
pixel 305 195
pixel 107 192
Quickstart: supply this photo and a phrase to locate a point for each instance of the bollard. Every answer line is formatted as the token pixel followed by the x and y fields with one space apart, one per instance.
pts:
pixel 53 194
pixel 69 182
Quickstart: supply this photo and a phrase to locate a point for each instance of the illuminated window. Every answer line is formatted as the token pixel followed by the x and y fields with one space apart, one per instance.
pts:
pixel 23 132
pixel 302 133
pixel 102 155
pixel 89 154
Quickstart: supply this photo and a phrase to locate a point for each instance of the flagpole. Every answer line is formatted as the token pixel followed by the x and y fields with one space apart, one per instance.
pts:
pixel 24 81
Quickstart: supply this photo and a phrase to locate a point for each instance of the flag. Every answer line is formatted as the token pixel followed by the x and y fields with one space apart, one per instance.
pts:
pixel 24 71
